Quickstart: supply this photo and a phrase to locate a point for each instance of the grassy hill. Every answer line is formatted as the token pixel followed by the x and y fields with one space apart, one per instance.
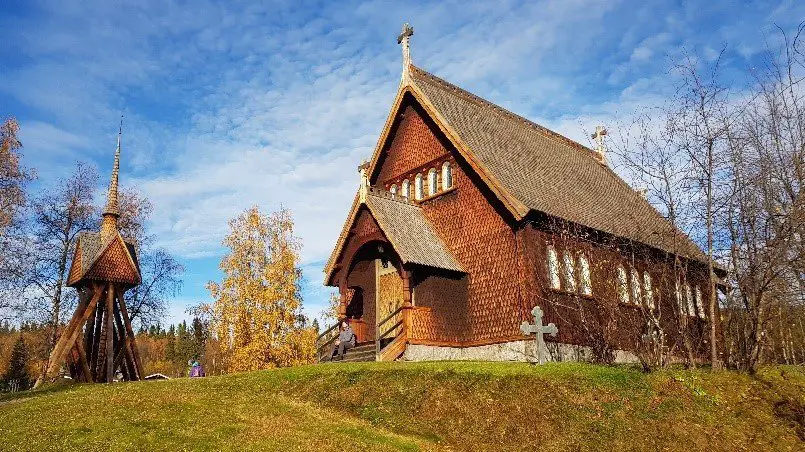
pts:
pixel 420 406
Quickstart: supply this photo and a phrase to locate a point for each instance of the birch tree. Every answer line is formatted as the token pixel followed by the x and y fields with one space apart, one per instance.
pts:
pixel 258 302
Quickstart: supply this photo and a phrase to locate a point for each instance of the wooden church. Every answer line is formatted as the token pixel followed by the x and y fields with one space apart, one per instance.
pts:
pixel 99 340
pixel 468 216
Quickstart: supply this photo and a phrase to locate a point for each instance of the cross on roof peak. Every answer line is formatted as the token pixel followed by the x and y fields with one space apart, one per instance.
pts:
pixel 598 136
pixel 600 149
pixel 404 38
pixel 407 32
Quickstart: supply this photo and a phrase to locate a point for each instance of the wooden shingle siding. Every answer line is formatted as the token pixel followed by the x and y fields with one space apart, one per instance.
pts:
pixel 473 232
pixel 441 309
pixel 412 147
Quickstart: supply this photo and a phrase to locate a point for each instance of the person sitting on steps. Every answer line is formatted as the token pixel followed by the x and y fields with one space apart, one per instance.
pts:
pixel 346 340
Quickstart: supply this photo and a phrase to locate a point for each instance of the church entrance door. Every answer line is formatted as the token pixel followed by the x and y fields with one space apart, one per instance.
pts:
pixel 389 294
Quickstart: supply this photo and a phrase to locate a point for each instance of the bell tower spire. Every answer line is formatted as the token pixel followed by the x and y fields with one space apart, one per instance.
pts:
pixel 112 210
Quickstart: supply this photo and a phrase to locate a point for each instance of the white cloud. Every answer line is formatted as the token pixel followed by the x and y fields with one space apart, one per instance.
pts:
pixel 228 106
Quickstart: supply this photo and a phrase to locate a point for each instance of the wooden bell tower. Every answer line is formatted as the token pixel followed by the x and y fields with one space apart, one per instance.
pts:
pixel 99 338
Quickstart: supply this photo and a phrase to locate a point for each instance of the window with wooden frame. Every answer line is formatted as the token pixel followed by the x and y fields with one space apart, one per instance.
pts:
pixel 447 176
pixel 584 274
pixel 433 182
pixel 647 291
pixel 553 268
pixel 637 292
pixel 689 299
pixel 406 189
pixel 570 272
pixel 418 188
pixel 700 303
pixel 623 285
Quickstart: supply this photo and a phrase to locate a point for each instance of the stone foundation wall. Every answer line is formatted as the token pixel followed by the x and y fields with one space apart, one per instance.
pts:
pixel 524 351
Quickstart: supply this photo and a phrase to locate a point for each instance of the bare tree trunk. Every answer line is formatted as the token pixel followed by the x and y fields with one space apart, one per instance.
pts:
pixel 714 360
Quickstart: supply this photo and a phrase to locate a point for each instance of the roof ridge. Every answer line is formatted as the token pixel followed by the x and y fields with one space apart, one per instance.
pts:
pixel 556 136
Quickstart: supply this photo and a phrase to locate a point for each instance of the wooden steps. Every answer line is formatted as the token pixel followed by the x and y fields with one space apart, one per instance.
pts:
pixel 393 349
pixel 362 353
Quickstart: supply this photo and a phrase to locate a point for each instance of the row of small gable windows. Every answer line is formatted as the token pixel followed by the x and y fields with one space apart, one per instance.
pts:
pixel 437 182
pixel 565 276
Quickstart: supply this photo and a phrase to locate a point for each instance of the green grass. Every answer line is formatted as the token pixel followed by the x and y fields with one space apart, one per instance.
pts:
pixel 420 406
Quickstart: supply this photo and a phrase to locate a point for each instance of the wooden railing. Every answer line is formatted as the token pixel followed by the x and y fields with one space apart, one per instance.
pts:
pixel 384 332
pixel 323 341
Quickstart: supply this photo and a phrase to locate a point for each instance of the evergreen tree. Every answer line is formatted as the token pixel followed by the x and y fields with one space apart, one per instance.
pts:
pixel 18 366
pixel 199 337
pixel 170 346
pixel 184 344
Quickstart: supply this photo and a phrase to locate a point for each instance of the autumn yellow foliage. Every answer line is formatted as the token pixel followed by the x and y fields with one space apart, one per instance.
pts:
pixel 257 309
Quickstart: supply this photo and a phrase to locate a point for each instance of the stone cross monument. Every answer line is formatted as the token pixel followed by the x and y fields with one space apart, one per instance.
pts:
pixel 540 329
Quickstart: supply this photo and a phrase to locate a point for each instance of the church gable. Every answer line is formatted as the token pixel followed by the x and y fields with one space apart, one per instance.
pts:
pixel 364 224
pixel 114 264
pixel 411 146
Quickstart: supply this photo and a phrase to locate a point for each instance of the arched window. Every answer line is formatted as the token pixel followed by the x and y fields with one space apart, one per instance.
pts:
pixel 699 302
pixel 447 176
pixel 584 269
pixel 393 190
pixel 406 189
pixel 418 187
pixel 647 290
pixel 636 290
pixel 553 268
pixel 433 182
pixel 623 285
pixel 689 298
pixel 570 272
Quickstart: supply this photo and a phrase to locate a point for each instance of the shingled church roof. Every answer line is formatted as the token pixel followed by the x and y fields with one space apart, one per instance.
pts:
pixel 543 171
pixel 529 167
pixel 410 233
pixel 405 226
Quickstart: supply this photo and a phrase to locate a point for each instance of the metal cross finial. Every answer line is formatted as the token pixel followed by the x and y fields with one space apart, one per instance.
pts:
pixel 600 150
pixel 404 38
pixel 540 330
pixel 407 32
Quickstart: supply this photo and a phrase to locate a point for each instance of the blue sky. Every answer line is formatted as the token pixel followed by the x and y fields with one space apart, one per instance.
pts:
pixel 231 104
